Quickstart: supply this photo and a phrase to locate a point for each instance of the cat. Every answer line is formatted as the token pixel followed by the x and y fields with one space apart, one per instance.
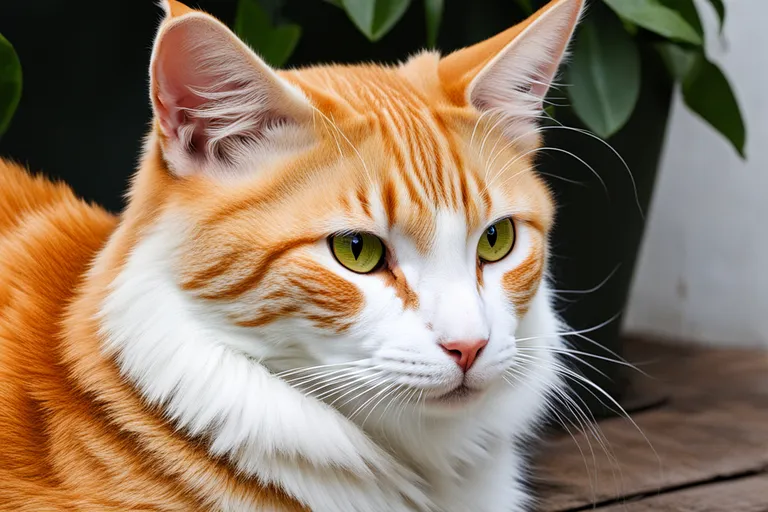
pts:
pixel 327 292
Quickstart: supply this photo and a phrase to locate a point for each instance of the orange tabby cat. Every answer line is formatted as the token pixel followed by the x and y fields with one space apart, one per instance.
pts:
pixel 326 292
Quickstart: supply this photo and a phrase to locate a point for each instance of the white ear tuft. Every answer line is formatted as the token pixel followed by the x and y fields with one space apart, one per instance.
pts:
pixel 213 98
pixel 521 74
pixel 510 73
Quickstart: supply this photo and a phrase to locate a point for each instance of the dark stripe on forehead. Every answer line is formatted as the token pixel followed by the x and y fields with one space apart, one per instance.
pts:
pixel 389 201
pixel 364 204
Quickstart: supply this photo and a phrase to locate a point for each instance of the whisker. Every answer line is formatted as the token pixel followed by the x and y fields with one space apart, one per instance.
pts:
pixel 572 333
pixel 297 381
pixel 382 382
pixel 477 123
pixel 365 382
pixel 561 126
pixel 490 131
pixel 566 152
pixel 339 387
pixel 588 383
pixel 581 427
pixel 588 423
pixel 340 132
pixel 340 381
pixel 569 352
pixel 594 288
pixel 521 353
pixel 294 371
pixel 390 391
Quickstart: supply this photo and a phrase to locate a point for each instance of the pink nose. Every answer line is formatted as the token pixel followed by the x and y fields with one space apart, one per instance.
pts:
pixel 464 352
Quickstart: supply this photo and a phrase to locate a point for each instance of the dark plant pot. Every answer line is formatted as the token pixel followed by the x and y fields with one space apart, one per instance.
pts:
pixel 84 112
pixel 599 229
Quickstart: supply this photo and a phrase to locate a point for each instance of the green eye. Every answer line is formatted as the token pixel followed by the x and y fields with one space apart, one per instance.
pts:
pixel 359 252
pixel 497 241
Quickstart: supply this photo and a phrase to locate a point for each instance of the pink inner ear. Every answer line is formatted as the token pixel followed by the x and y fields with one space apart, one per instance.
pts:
pixel 179 73
pixel 517 80
pixel 211 97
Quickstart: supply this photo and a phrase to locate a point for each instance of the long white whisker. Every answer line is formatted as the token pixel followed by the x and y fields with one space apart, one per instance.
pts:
pixel 339 382
pixel 382 382
pixel 359 156
pixel 302 380
pixel 339 387
pixel 618 155
pixel 594 288
pixel 364 384
pixel 571 333
pixel 292 371
pixel 569 351
pixel 522 353
pixel 589 383
pixel 388 391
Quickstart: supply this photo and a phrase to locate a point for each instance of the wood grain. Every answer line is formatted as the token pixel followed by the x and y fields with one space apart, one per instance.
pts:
pixel 713 425
pixel 743 495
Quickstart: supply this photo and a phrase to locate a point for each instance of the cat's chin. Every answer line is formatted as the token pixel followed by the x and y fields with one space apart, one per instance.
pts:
pixel 456 398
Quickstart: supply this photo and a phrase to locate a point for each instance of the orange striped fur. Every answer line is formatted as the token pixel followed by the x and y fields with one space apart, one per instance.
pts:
pixel 404 152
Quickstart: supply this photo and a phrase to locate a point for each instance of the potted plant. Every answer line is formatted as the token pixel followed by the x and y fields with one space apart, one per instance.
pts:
pixel 10 83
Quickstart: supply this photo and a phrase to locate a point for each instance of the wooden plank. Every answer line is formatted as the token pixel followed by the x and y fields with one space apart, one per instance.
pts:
pixel 742 495
pixel 714 424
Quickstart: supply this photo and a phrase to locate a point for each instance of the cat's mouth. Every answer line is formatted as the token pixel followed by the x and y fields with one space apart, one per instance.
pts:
pixel 457 396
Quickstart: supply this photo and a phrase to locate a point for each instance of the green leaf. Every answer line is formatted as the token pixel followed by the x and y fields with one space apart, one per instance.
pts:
pixel 525 5
pixel 10 83
pixel 720 9
pixel 678 60
pixel 686 9
pixel 631 28
pixel 433 10
pixel 604 75
pixel 653 16
pixel 253 25
pixel 375 18
pixel 707 92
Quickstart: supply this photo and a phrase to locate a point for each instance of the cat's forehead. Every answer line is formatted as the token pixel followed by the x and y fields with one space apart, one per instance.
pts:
pixel 343 91
pixel 396 160
pixel 412 146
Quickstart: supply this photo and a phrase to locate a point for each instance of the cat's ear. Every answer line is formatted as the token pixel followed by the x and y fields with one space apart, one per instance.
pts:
pixel 214 99
pixel 511 72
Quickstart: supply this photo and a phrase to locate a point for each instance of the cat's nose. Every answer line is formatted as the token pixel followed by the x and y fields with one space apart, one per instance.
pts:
pixel 464 352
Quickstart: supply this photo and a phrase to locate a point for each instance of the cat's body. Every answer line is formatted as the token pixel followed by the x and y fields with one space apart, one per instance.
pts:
pixel 208 349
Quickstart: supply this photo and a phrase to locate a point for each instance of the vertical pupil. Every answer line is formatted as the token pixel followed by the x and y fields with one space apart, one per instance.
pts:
pixel 357 246
pixel 491 234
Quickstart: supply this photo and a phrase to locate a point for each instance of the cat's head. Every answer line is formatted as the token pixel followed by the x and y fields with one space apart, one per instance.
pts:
pixel 384 224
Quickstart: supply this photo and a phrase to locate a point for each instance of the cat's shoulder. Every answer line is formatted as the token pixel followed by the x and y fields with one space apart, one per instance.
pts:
pixel 27 198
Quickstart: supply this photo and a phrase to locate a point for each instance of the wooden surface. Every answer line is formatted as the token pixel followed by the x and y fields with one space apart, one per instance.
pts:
pixel 703 446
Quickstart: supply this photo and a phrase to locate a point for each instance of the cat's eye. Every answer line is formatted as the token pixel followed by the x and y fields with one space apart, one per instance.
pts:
pixel 497 241
pixel 359 252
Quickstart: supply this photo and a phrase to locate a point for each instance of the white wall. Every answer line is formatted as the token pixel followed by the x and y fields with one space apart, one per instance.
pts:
pixel 703 270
